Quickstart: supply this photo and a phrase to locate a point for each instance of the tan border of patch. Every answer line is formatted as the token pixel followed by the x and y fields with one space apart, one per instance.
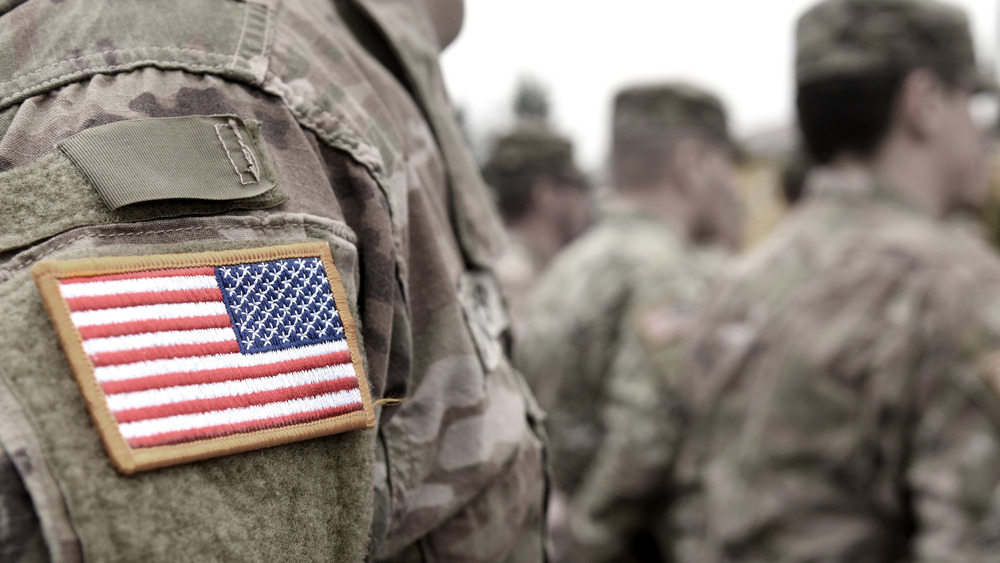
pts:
pixel 128 460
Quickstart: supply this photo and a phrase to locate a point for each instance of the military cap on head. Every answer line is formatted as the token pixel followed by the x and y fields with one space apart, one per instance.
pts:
pixel 536 147
pixel 658 109
pixel 530 151
pixel 843 38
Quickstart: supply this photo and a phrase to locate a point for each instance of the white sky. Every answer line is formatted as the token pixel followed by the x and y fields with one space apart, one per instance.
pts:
pixel 584 50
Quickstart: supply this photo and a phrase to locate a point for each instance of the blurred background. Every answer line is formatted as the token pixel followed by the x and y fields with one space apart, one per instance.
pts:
pixel 580 53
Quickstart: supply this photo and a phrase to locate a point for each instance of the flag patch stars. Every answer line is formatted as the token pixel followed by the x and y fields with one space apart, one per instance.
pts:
pixel 188 356
pixel 280 304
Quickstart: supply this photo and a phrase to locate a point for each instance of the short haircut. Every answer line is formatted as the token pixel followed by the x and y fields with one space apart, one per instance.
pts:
pixel 513 187
pixel 852 114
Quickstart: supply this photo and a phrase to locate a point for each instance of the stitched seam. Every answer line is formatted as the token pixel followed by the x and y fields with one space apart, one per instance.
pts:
pixel 268 29
pixel 243 32
pixel 16 264
pixel 218 134
pixel 342 141
pixel 133 49
pixel 100 70
pixel 247 153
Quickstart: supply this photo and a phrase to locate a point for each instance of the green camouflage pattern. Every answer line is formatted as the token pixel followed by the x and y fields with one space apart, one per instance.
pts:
pixel 842 38
pixel 362 139
pixel 846 404
pixel 651 110
pixel 531 147
pixel 599 347
pixel 518 270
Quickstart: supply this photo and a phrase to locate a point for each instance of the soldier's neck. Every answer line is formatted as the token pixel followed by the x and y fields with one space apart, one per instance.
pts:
pixel 540 235
pixel 906 170
pixel 668 204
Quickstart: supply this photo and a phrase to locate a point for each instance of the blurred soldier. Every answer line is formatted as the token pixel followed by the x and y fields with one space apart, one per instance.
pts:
pixel 603 318
pixel 847 390
pixel 544 201
pixel 247 225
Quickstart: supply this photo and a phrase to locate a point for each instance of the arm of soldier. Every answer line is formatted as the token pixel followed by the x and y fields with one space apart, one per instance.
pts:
pixel 20 532
pixel 626 487
pixel 955 472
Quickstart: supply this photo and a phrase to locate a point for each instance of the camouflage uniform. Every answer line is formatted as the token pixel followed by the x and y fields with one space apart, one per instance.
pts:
pixel 846 385
pixel 600 350
pixel 518 270
pixel 365 156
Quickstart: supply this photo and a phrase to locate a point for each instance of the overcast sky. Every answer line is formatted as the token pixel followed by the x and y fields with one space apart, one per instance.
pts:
pixel 584 50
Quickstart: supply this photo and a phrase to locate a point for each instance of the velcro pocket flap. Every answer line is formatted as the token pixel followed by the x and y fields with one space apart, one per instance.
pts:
pixel 215 158
pixel 137 171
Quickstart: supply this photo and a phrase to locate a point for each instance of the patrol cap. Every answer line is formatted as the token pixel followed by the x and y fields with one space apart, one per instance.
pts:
pixel 535 148
pixel 652 110
pixel 843 38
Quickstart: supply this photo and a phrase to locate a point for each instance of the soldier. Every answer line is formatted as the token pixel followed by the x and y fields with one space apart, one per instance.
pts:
pixel 228 231
pixel 544 200
pixel 603 319
pixel 846 395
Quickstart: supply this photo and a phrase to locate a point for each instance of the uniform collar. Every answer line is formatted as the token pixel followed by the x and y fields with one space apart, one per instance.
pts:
pixel 856 184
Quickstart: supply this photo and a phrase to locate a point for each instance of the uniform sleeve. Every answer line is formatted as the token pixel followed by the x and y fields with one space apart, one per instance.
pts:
pixel 627 485
pixel 955 472
pixel 20 533
pixel 955 469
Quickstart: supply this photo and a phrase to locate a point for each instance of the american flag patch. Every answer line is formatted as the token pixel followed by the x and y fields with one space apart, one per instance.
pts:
pixel 189 356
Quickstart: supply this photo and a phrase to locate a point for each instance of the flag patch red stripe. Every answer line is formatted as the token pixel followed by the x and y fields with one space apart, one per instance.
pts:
pixel 236 401
pixel 170 273
pixel 207 432
pixel 154 325
pixel 164 352
pixel 224 374
pixel 145 298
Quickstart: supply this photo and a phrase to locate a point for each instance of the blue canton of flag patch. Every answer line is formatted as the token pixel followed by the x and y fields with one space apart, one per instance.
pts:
pixel 280 304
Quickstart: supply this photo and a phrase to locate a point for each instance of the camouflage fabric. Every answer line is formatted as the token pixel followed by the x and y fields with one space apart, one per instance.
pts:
pixel 532 146
pixel 857 37
pixel 353 114
pixel 599 349
pixel 517 270
pixel 651 110
pixel 846 391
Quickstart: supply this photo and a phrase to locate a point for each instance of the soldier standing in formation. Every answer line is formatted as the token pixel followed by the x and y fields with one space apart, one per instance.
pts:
pixel 847 377
pixel 543 197
pixel 602 320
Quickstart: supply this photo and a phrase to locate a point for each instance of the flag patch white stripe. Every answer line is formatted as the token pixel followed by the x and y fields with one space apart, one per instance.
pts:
pixel 181 393
pixel 137 285
pixel 146 312
pixel 234 416
pixel 153 339
pixel 177 365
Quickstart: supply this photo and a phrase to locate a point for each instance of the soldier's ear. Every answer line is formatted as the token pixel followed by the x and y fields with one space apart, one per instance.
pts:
pixel 918 110
pixel 545 198
pixel 686 162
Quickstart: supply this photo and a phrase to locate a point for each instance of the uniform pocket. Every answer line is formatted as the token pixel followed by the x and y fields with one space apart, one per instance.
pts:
pixel 138 170
pixel 53 210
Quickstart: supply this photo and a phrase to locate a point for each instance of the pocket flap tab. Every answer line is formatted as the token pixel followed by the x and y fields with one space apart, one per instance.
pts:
pixel 216 158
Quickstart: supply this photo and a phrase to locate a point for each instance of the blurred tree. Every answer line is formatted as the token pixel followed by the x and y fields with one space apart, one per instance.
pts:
pixel 531 102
